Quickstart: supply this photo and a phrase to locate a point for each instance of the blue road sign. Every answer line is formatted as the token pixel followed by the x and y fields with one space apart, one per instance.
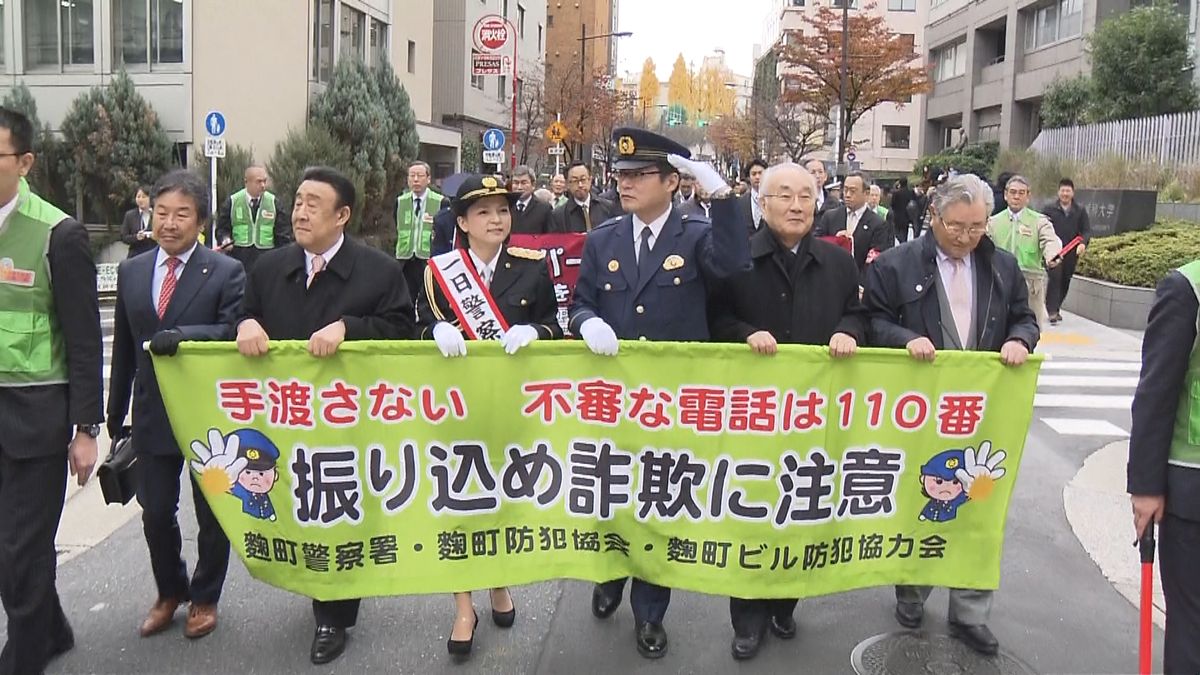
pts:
pixel 493 139
pixel 214 123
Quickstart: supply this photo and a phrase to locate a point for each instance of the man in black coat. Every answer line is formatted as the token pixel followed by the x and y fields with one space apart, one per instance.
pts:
pixel 1070 220
pixel 952 289
pixel 1163 478
pixel 801 290
pixel 857 221
pixel 326 288
pixel 183 291
pixel 825 201
pixel 583 211
pixel 51 398
pixel 530 215
pixel 748 204
pixel 136 226
pixel 901 196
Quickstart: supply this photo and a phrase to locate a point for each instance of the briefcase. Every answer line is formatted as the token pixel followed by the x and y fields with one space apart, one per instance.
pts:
pixel 117 473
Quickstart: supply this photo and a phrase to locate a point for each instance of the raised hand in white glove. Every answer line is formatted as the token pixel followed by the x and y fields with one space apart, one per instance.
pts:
pixel 450 341
pixel 705 173
pixel 980 471
pixel 599 337
pixel 217 465
pixel 518 336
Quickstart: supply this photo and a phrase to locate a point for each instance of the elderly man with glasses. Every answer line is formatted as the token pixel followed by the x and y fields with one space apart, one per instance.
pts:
pixel 1030 237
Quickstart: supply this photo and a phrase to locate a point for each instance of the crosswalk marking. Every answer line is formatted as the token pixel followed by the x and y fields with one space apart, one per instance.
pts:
pixel 1121 366
pixel 1073 426
pixel 1087 381
pixel 1091 401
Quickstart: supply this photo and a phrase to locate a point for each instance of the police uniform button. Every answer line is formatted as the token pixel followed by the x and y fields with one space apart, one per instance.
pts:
pixel 507 265
pixel 783 295
pixel 524 302
pixel 608 287
pixel 677 281
pixel 640 309
pixel 642 338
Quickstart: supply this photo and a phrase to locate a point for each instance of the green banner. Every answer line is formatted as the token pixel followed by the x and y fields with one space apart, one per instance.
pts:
pixel 388 469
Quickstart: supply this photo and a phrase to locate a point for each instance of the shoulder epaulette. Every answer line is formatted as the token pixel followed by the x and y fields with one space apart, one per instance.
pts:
pixel 526 253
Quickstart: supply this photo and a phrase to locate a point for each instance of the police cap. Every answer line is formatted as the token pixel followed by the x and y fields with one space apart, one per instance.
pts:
pixel 637 148
pixel 944 464
pixel 477 187
pixel 258 450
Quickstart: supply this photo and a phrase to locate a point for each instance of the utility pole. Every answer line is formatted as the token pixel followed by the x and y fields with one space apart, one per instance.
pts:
pixel 841 121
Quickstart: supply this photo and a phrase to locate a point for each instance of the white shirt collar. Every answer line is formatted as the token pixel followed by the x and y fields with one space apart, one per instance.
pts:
pixel 7 209
pixel 327 255
pixel 859 211
pixel 656 227
pixel 524 201
pixel 161 259
pixel 1014 214
pixel 486 268
pixel 587 203
pixel 942 257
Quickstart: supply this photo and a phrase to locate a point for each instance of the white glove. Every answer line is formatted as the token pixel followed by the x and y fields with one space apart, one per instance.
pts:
pixel 599 337
pixel 706 175
pixel 518 336
pixel 218 461
pixel 450 341
pixel 980 465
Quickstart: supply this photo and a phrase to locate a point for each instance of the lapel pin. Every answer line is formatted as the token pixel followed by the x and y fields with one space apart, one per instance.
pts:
pixel 919 288
pixel 673 262
pixel 613 265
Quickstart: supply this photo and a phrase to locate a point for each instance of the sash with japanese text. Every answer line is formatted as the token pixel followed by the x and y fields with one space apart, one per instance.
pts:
pixel 388 469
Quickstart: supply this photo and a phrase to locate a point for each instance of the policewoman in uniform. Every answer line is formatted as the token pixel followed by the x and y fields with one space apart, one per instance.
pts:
pixel 250 221
pixel 515 283
pixel 646 276
pixel 50 397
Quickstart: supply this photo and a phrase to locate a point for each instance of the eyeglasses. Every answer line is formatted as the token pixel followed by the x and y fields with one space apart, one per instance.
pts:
pixel 963 228
pixel 633 174
pixel 789 199
pixel 12 154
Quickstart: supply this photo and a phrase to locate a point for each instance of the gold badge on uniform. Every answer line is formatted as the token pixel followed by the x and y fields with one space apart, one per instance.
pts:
pixel 613 265
pixel 673 262
pixel 489 182
pixel 625 145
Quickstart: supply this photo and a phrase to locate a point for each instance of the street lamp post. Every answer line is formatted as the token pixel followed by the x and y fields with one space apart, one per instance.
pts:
pixel 841 131
pixel 583 40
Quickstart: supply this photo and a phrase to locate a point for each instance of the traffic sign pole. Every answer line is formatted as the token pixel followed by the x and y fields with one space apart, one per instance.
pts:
pixel 214 124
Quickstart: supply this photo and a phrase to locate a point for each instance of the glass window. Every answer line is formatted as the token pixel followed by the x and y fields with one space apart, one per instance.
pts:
pixel 78 40
pixel 840 3
pixel 131 40
pixel 41 35
pixel 797 3
pixel 322 40
pixel 539 38
pixel 501 88
pixel 902 5
pixel 895 136
pixel 1047 25
pixel 166 32
pixel 3 23
pixel 504 8
pixel 990 132
pixel 379 43
pixel 412 57
pixel 476 80
pixel 520 21
pixel 354 29
pixel 1070 13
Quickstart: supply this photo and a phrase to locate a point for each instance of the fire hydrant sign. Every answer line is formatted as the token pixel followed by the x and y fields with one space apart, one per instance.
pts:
pixel 491 33
pixel 387 469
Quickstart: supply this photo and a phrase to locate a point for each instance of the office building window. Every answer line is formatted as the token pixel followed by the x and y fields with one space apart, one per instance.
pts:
pixel 353 33
pixel 147 32
pixel 59 34
pixel 412 57
pixel 322 40
pixel 838 4
pixel 988 132
pixel 539 48
pixel 950 61
pixel 76 26
pixel 902 5
pixel 1060 20
pixel 501 88
pixel 796 3
pixel 520 21
pixel 504 8
pixel 476 80
pixel 379 42
pixel 895 136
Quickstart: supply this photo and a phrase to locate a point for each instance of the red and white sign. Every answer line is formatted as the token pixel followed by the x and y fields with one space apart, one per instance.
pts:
pixel 491 33
pixel 488 64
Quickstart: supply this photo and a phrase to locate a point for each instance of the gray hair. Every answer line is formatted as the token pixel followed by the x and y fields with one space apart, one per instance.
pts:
pixel 188 183
pixel 428 171
pixel 544 195
pixel 1018 179
pixel 776 169
pixel 522 170
pixel 965 188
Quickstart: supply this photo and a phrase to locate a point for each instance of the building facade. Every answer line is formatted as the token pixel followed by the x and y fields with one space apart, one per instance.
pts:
pixel 993 59
pixel 887 139
pixel 256 62
pixel 569 20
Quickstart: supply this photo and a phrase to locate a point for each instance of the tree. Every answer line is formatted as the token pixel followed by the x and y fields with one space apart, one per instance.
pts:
pixel 1067 102
pixel 648 88
pixel 302 148
pixel 231 171
pixel 782 128
pixel 116 143
pixel 46 178
pixel 882 67
pixel 715 98
pixel 681 86
pixel 1141 63
pixel 588 108
pixel 532 119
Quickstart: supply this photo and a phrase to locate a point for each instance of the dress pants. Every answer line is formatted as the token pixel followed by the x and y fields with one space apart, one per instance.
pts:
pixel 649 601
pixel 1036 283
pixel 31 501
pixel 750 617
pixel 336 613
pixel 1179 549
pixel 414 275
pixel 967 607
pixel 1060 282
pixel 158 495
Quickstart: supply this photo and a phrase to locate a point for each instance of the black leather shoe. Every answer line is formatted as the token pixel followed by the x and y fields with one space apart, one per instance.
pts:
pixel 979 637
pixel 745 647
pixel 651 639
pixel 603 604
pixel 328 643
pixel 910 614
pixel 64 643
pixel 783 627
pixel 462 648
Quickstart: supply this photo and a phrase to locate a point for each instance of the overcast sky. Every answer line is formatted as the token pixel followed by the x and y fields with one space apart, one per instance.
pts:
pixel 664 28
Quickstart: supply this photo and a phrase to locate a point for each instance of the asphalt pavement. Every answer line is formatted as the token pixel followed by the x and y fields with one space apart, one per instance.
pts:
pixel 1056 611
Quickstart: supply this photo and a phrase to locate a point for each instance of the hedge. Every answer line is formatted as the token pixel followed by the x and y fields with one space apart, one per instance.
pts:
pixel 1141 258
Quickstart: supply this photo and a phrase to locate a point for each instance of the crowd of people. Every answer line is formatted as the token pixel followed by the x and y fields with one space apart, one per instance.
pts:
pixel 672 253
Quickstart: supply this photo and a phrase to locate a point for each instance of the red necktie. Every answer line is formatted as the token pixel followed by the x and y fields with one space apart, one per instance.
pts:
pixel 168 286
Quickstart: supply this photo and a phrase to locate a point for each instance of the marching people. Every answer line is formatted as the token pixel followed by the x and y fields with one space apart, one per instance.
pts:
pixel 583 211
pixel 414 216
pixel 136 228
pixel 699 206
pixel 687 188
pixel 825 201
pixel 749 205
pixel 801 290
pixel 874 196
pixel 924 296
pixel 1163 474
pixel 645 276
pixel 326 288
pixel 183 292
pixel 1070 220
pixel 532 215
pixel 50 398
pixel 1030 237
pixel 252 221
pixel 856 221
pixel 558 185
pixel 516 287
pixel 901 196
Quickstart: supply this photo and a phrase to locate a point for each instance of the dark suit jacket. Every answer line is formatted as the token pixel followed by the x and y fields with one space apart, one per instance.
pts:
pixel 668 304
pixel 206 303
pixel 38 421
pixel 746 212
pixel 130 226
pixel 521 287
pixel 445 226
pixel 693 209
pixel 535 219
pixel 362 286
pixel 901 297
pixel 801 299
pixel 569 216
pixel 1166 349
pixel 1069 225
pixel 871 233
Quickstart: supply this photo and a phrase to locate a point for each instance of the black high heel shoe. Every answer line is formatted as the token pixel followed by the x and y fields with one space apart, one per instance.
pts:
pixel 462 648
pixel 505 619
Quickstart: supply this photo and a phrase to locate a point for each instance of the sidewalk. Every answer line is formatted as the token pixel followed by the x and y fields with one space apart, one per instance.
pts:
pixel 86 519
pixel 1080 338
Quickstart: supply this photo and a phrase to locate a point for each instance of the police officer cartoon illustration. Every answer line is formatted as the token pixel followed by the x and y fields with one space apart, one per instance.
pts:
pixel 953 477
pixel 241 464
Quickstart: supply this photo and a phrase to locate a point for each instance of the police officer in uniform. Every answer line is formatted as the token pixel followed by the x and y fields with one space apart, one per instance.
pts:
pixel 252 221
pixel 50 397
pixel 646 276
pixel 261 455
